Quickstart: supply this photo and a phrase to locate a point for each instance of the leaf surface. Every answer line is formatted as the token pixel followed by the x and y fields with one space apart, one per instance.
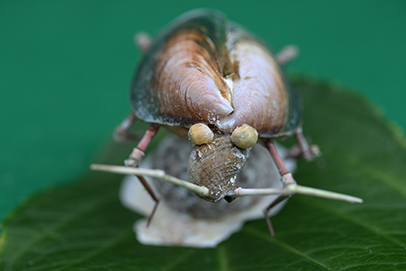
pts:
pixel 84 227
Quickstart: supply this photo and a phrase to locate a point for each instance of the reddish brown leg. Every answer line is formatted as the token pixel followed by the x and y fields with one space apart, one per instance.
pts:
pixel 134 159
pixel 138 152
pixel 267 209
pixel 276 158
pixel 122 133
pixel 153 196
pixel 143 41
pixel 286 179
pixel 303 149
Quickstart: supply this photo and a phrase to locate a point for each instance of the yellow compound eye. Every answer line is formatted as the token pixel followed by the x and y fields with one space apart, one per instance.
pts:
pixel 244 136
pixel 200 134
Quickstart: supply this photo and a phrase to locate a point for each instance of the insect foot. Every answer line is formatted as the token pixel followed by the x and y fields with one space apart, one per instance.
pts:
pixel 306 151
pixel 143 41
pixel 288 179
pixel 287 54
pixel 135 158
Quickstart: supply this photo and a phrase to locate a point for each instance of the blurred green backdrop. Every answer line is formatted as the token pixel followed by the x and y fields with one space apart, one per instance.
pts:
pixel 65 68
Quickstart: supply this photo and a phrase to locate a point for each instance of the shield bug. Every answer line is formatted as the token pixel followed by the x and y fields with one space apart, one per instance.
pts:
pixel 210 80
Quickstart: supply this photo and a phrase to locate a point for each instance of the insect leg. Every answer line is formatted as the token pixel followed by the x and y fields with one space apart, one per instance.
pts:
pixel 276 158
pixel 136 156
pixel 303 148
pixel 143 41
pixel 267 209
pixel 121 133
pixel 287 54
pixel 153 196
pixel 286 179
pixel 139 151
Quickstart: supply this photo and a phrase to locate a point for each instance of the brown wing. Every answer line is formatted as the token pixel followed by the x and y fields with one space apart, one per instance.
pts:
pixel 204 69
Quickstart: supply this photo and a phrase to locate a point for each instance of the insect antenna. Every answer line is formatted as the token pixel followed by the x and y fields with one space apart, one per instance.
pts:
pixel 288 190
pixel 154 173
pixel 291 189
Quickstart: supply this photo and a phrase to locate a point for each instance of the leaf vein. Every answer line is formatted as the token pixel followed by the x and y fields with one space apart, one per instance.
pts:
pixel 53 228
pixel 113 242
pixel 353 220
pixel 222 257
pixel 284 245
pixel 179 260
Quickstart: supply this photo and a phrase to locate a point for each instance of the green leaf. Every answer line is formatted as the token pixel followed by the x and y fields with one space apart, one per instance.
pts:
pixel 84 227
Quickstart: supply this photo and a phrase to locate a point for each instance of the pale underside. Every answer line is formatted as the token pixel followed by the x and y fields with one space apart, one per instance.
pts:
pixel 180 219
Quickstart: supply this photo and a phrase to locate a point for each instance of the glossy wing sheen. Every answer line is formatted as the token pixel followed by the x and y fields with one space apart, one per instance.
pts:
pixel 204 69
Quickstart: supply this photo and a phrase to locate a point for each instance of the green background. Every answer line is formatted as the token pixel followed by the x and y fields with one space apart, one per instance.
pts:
pixel 65 68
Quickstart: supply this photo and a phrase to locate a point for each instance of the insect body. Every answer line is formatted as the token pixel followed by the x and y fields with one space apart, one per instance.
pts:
pixel 211 80
pixel 205 70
